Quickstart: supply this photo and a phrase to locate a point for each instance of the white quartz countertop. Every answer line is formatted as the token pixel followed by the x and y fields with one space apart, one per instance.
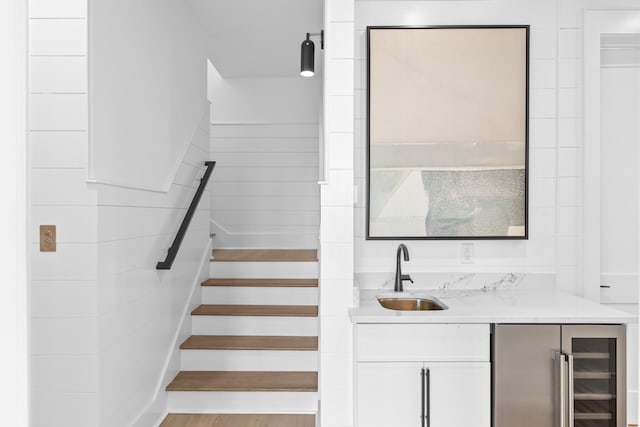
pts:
pixel 499 306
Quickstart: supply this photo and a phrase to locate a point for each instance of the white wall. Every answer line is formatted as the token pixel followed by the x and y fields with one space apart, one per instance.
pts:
pixel 263 100
pixel 139 308
pixel 547 162
pixel 553 247
pixel 104 320
pixel 620 184
pixel 148 90
pixel 264 139
pixel 555 171
pixel 149 128
pixel 619 191
pixel 13 219
pixel 618 271
pixel 63 299
pixel 336 225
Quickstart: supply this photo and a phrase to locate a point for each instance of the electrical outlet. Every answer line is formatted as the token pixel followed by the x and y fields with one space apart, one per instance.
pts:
pixel 47 238
pixel 467 253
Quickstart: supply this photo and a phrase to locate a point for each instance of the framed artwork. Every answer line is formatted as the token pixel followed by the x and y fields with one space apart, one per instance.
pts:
pixel 447 113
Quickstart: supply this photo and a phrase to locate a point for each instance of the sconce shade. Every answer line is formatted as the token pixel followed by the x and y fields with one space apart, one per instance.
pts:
pixel 307 55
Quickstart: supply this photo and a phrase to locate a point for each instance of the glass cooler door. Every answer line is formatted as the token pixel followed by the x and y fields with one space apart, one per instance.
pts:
pixel 597 390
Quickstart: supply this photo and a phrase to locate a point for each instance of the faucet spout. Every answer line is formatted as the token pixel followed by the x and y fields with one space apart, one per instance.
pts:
pixel 402 250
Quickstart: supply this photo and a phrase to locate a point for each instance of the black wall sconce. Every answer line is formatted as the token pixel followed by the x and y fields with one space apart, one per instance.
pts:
pixel 307 54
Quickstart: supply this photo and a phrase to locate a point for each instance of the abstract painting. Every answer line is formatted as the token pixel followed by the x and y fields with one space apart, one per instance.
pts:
pixel 447 111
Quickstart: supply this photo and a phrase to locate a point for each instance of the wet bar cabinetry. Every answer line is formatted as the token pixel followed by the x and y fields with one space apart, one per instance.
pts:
pixel 435 375
pixel 506 358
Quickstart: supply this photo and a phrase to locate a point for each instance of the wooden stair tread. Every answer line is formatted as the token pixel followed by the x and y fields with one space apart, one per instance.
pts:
pixel 244 381
pixel 256 310
pixel 245 342
pixel 265 255
pixel 239 420
pixel 283 283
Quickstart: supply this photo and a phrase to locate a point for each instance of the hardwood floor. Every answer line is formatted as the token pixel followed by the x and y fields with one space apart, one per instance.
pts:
pixel 238 420
pixel 265 255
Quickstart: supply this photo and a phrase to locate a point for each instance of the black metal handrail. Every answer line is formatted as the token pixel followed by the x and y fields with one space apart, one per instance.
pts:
pixel 175 246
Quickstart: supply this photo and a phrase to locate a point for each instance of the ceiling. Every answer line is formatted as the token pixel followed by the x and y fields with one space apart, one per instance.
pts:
pixel 258 38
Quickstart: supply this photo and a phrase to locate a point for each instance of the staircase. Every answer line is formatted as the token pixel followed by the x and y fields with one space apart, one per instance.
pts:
pixel 253 355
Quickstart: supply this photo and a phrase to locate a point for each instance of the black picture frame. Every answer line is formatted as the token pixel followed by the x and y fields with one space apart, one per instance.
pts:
pixel 525 201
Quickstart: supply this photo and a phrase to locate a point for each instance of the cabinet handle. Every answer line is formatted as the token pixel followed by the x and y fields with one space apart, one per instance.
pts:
pixel 570 386
pixel 423 378
pixel 562 394
pixel 428 416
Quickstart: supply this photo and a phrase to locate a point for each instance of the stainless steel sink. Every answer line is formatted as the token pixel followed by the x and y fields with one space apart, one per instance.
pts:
pixel 412 304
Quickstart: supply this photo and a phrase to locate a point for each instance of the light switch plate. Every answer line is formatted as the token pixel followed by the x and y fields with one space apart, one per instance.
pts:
pixel 47 238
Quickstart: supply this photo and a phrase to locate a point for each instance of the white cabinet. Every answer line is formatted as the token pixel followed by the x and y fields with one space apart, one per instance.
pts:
pixel 423 375
pixel 389 394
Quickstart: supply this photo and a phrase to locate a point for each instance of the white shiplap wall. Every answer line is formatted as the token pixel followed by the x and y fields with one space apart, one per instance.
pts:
pixel 571 135
pixel 140 308
pixel 337 214
pixel 556 139
pixel 264 139
pixel 535 255
pixel 144 90
pixel 64 330
pixel 569 153
pixel 104 322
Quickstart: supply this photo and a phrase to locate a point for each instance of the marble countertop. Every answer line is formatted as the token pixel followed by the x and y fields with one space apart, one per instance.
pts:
pixel 491 306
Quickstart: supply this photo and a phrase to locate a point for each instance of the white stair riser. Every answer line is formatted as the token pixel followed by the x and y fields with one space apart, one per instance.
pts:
pixel 302 241
pixel 264 270
pixel 199 402
pixel 254 325
pixel 259 295
pixel 248 360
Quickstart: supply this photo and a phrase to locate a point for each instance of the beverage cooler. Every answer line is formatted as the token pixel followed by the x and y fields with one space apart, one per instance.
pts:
pixel 559 376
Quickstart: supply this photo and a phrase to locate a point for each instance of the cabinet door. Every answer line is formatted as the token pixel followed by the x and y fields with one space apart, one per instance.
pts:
pixel 389 394
pixel 459 394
